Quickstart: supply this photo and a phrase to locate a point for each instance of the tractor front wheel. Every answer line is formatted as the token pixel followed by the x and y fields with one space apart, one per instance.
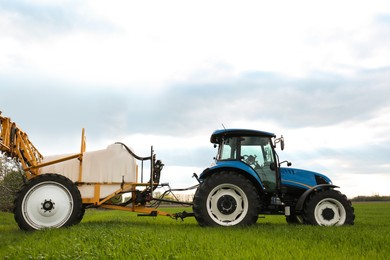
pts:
pixel 328 208
pixel 226 199
pixel 48 201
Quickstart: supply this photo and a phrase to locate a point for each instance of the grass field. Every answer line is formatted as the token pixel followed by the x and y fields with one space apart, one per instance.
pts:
pixel 122 235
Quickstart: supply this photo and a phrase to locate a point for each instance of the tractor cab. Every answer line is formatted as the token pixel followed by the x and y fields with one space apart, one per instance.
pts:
pixel 252 151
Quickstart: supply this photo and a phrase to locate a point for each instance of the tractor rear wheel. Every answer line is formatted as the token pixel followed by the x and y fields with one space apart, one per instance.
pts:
pixel 328 208
pixel 48 201
pixel 226 199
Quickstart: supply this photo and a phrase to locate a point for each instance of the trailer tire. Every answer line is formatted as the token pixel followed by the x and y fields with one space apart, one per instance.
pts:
pixel 226 199
pixel 328 208
pixel 48 201
pixel 80 216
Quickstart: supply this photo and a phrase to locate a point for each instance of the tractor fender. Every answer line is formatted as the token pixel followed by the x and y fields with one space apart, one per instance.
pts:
pixel 302 198
pixel 243 169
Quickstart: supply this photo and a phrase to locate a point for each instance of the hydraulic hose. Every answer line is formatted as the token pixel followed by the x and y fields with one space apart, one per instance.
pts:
pixel 133 154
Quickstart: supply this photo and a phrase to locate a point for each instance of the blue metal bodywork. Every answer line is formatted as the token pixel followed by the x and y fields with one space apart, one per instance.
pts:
pixel 290 177
pixel 300 178
pixel 234 164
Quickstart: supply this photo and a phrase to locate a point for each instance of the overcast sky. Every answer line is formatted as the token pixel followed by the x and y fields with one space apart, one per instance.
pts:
pixel 169 73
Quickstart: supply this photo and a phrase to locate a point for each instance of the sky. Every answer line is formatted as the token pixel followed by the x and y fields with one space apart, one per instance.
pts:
pixel 168 73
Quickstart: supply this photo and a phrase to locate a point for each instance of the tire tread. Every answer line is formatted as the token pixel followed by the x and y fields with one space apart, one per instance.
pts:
pixel 210 182
pixel 315 197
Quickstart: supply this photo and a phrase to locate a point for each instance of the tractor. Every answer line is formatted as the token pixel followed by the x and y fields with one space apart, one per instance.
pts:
pixel 247 180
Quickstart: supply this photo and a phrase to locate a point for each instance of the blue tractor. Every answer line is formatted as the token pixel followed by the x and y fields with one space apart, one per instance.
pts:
pixel 247 180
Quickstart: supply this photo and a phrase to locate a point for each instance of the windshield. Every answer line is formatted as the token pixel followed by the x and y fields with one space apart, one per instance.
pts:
pixel 236 148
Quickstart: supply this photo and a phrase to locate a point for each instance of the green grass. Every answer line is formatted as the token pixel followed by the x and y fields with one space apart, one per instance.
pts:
pixel 105 234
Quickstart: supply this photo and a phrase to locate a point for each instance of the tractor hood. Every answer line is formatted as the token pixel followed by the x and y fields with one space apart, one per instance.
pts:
pixel 302 178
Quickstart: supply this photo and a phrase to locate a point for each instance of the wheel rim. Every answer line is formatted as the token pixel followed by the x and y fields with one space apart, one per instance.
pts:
pixel 330 212
pixel 227 204
pixel 48 204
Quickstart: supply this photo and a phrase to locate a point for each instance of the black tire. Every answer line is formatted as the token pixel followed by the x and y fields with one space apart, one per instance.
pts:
pixel 80 216
pixel 226 199
pixel 328 208
pixel 48 201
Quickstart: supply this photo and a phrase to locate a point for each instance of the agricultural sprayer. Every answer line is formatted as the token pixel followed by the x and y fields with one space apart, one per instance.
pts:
pixel 246 180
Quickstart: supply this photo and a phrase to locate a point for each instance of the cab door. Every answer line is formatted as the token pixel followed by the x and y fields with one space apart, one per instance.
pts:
pixel 257 152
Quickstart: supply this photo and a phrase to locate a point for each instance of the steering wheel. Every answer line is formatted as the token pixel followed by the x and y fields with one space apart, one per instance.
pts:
pixel 250 159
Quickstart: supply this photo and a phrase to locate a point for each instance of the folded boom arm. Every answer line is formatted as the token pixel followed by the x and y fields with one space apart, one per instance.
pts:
pixel 15 144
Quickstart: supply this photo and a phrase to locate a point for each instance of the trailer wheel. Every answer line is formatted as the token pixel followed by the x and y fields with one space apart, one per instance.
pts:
pixel 48 201
pixel 328 208
pixel 226 199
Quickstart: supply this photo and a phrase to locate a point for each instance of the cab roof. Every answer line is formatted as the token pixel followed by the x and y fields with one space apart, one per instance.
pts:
pixel 218 135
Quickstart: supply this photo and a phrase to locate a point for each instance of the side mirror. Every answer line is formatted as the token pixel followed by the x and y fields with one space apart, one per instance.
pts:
pixel 281 141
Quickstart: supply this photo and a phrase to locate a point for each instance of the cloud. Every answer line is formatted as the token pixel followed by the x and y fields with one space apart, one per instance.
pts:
pixel 170 73
pixel 186 108
pixel 42 19
pixel 198 105
pixel 154 44
pixel 289 102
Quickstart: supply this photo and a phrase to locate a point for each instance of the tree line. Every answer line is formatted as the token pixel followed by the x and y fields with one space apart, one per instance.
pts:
pixel 371 198
pixel 11 180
